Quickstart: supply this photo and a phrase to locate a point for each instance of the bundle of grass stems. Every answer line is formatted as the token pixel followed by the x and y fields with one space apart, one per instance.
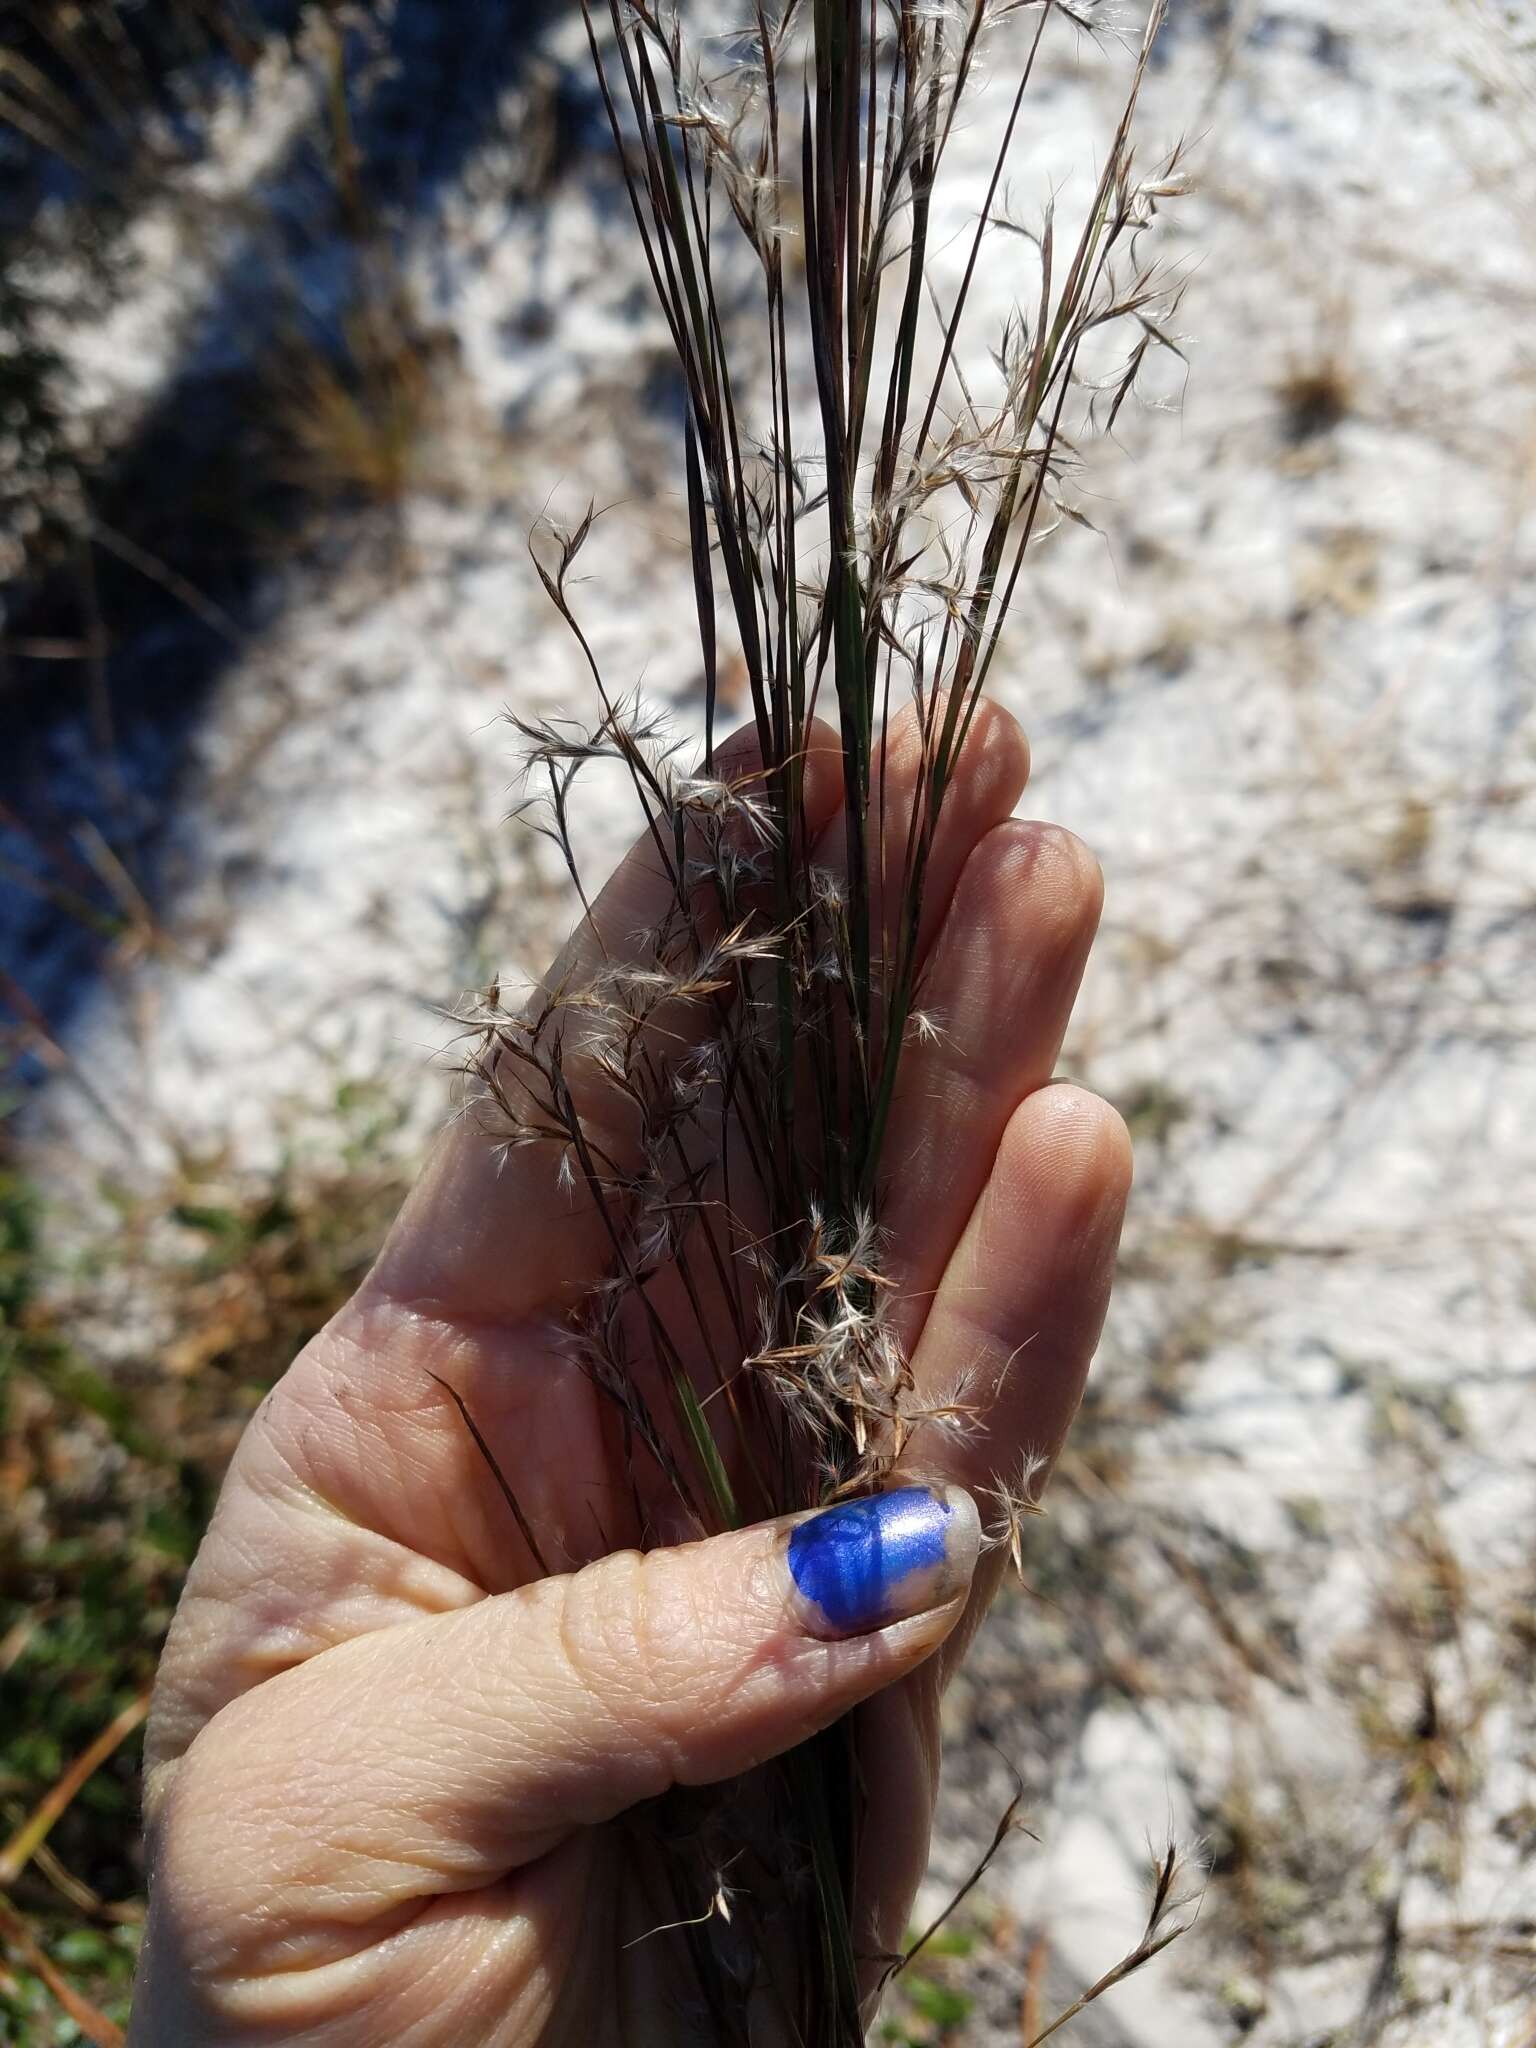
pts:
pixel 861 506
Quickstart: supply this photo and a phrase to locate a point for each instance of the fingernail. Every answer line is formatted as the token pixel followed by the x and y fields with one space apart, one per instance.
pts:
pixel 866 1563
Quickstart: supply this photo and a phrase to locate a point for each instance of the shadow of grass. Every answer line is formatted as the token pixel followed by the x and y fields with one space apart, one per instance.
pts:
pixel 136 602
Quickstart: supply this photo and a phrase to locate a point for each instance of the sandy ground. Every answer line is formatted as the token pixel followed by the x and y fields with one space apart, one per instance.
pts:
pixel 1281 1605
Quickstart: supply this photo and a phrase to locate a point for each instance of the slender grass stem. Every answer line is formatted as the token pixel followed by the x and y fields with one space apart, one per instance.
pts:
pixel 864 491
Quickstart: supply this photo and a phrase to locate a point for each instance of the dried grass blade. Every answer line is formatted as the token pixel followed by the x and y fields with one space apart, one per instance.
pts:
pixel 35 1829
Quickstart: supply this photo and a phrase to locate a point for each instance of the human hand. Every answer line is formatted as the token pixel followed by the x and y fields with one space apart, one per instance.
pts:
pixel 389 1762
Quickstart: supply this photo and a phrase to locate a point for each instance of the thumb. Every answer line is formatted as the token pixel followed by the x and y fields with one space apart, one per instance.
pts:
pixel 437 1756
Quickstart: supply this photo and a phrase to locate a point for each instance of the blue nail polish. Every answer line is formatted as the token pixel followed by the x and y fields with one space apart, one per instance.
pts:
pixel 869 1562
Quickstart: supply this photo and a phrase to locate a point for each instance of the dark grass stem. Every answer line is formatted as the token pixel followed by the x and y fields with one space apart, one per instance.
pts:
pixel 865 479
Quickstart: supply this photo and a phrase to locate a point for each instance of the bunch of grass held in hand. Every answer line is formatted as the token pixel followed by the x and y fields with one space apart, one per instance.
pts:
pixel 861 506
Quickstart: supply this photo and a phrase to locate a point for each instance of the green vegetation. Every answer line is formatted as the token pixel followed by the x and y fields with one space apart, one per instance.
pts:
pixel 108 1469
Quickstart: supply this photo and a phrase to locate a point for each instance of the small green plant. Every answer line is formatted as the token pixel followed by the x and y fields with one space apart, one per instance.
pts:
pixel 930 2006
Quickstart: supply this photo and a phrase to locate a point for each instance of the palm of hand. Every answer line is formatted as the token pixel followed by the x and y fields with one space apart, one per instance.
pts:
pixel 386 1787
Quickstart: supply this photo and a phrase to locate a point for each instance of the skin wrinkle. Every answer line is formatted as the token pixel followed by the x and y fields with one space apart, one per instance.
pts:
pixel 304 1414
pixel 303 1613
pixel 659 1721
pixel 461 1833
pixel 319 1983
pixel 489 1999
pixel 432 1422
pixel 651 1754
pixel 421 1871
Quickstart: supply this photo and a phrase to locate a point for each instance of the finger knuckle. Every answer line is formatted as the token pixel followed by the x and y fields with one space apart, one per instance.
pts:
pixel 629 1636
